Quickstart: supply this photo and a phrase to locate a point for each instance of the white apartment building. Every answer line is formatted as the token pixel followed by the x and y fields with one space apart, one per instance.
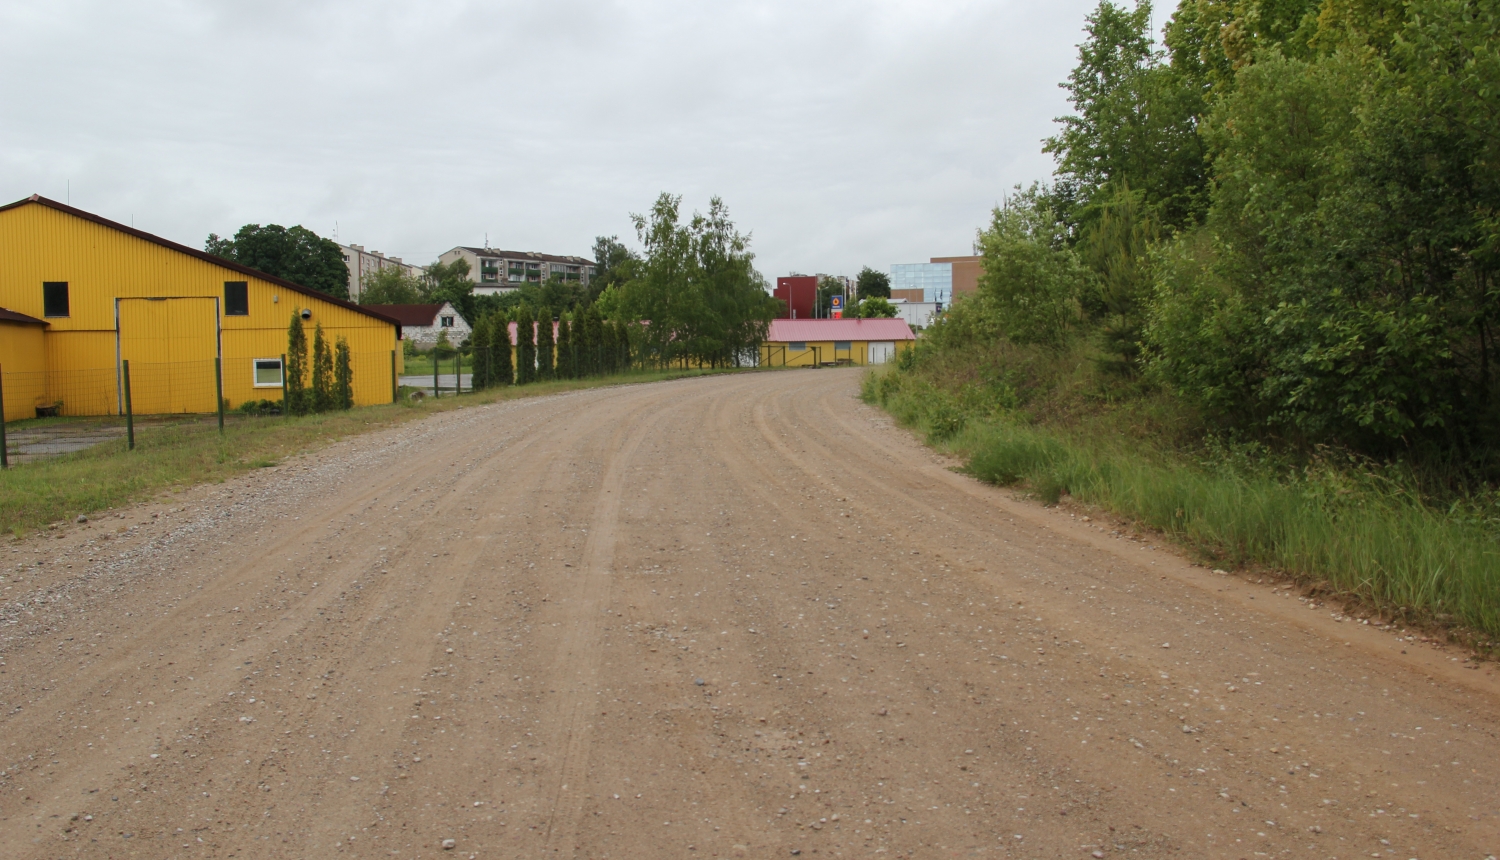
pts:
pixel 494 272
pixel 362 262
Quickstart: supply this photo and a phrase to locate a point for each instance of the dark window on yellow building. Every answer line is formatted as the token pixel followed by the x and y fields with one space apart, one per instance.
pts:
pixel 236 299
pixel 54 299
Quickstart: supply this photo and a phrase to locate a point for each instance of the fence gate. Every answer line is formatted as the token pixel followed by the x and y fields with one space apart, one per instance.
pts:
pixel 171 344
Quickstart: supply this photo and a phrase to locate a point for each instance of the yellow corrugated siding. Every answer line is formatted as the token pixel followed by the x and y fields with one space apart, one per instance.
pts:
pixel 773 352
pixel 101 265
pixel 23 363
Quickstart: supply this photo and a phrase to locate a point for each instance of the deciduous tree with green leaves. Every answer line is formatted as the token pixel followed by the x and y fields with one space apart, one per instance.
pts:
pixel 391 285
pixel 870 283
pixel 295 254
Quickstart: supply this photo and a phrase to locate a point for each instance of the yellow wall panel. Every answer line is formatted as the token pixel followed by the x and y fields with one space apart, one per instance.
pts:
pixel 102 264
pixel 24 368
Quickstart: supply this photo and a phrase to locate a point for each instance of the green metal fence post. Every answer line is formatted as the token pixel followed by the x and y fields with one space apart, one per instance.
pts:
pixel 286 408
pixel 458 373
pixel 129 410
pixel 436 390
pixel 219 389
pixel 4 452
pixel 395 389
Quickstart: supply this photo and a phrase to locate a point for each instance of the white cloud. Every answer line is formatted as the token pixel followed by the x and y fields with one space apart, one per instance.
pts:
pixel 841 133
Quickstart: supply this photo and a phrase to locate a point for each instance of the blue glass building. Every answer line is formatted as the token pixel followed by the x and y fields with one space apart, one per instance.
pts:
pixel 935 280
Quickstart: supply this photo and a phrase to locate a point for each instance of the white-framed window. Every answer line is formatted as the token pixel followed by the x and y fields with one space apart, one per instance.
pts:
pixel 447 322
pixel 267 372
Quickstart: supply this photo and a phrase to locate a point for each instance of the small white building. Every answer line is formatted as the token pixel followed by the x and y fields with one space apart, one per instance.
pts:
pixel 916 314
pixel 422 324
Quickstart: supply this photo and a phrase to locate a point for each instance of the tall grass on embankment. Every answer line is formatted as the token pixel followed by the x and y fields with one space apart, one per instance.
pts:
pixel 1360 536
pixel 181 451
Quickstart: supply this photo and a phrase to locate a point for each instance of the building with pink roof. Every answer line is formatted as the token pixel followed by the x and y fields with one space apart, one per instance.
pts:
pixel 809 343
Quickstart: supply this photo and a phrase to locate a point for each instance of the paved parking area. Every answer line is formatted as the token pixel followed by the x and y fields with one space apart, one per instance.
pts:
pixel 34 440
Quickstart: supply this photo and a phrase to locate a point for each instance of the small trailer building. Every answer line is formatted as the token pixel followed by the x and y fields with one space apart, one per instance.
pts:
pixel 806 343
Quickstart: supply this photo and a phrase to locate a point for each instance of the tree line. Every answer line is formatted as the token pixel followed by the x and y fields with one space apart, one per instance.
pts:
pixel 1286 217
pixel 691 296
pixel 320 382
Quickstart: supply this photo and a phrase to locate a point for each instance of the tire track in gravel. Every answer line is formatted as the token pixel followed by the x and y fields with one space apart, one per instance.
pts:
pixel 422 616
pixel 580 654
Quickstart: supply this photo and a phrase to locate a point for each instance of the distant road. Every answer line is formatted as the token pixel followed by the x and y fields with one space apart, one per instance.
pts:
pixel 729 616
pixel 445 381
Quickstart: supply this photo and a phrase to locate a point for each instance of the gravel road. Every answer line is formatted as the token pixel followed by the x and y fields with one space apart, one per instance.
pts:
pixel 735 616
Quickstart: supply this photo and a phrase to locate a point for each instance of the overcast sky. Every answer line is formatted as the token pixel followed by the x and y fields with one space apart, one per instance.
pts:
pixel 841 134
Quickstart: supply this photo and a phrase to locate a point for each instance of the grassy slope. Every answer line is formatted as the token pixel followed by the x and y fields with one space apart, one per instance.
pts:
pixel 1358 533
pixel 179 454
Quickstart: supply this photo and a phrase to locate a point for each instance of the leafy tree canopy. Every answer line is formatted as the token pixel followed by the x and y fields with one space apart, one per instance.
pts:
pixel 695 286
pixel 873 283
pixel 295 254
pixel 1135 122
pixel 613 261
pixel 391 285
pixel 874 307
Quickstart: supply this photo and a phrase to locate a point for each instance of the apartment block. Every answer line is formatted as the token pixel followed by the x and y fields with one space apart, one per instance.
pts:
pixel 362 262
pixel 494 271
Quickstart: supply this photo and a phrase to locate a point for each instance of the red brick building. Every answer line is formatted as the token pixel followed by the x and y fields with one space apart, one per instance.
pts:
pixel 800 296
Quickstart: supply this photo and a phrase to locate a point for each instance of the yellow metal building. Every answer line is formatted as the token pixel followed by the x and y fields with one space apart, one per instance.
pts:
pixel 105 294
pixel 807 343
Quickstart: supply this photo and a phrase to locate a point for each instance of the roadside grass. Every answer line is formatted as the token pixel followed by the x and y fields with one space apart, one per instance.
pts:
pixel 178 453
pixel 1362 534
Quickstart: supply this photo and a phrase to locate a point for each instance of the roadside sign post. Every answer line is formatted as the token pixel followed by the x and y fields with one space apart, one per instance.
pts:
pixel 836 305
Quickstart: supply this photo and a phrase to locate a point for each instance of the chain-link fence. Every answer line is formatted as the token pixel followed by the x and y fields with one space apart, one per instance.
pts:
pixel 212 390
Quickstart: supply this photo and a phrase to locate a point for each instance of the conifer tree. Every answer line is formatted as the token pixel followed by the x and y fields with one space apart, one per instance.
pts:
pixel 606 347
pixel 565 366
pixel 525 346
pixel 503 372
pixel 546 344
pixel 295 372
pixel 582 346
pixel 343 376
pixel 479 345
pixel 622 346
pixel 593 351
pixel 322 372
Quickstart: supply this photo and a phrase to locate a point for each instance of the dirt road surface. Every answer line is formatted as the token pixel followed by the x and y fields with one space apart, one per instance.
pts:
pixel 718 617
